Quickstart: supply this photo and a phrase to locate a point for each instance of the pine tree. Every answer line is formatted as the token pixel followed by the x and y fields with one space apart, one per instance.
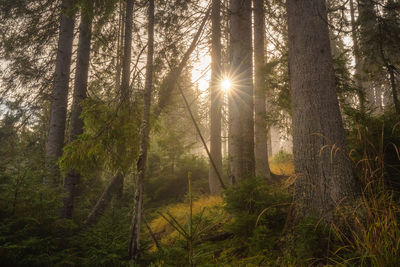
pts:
pixel 323 169
pixel 241 94
pixel 216 100
pixel 58 112
pixel 260 116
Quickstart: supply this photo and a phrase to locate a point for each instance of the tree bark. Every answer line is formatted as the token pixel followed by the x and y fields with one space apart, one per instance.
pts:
pixel 260 114
pixel 72 178
pixel 58 110
pixel 216 95
pixel 323 169
pixel 144 141
pixel 241 94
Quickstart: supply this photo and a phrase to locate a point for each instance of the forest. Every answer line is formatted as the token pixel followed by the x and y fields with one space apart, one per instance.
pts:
pixel 199 133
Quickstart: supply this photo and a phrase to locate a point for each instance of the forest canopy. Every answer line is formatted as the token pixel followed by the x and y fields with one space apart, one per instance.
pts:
pixel 199 133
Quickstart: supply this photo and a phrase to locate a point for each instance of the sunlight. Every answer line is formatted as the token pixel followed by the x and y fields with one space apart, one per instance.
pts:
pixel 226 84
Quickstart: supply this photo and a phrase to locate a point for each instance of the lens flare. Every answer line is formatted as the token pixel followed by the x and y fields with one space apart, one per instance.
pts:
pixel 226 84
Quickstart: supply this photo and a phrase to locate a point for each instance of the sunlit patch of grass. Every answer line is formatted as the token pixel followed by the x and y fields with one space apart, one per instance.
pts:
pixel 214 213
pixel 285 168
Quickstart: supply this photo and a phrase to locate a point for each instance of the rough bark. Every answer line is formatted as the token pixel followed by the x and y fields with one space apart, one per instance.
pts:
pixel 144 141
pixel 260 114
pixel 241 94
pixel 216 95
pixel 323 169
pixel 72 178
pixel 58 110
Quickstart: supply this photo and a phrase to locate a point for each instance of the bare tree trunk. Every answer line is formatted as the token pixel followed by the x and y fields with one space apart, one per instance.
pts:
pixel 216 99
pixel 322 166
pixel 243 162
pixel 144 141
pixel 80 92
pixel 357 57
pixel 260 114
pixel 58 111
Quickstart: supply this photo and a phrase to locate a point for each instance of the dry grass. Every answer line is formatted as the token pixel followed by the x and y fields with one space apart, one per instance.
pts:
pixel 213 211
pixel 282 168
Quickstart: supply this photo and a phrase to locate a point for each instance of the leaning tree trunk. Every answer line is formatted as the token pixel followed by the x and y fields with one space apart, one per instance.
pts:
pixel 216 100
pixel 144 141
pixel 72 178
pixel 322 166
pixel 241 95
pixel 260 115
pixel 58 110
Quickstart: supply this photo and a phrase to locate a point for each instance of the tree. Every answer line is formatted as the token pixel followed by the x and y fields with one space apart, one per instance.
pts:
pixel 144 141
pixel 241 95
pixel 72 178
pixel 322 166
pixel 58 112
pixel 216 99
pixel 357 57
pixel 260 116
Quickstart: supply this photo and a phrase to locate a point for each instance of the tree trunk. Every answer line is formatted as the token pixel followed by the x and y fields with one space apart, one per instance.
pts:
pixel 260 114
pixel 357 58
pixel 322 166
pixel 144 141
pixel 243 162
pixel 72 178
pixel 58 110
pixel 216 100
pixel 125 80
pixel 394 88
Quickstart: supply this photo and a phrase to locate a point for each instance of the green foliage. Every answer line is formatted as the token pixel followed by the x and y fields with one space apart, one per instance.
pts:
pixel 105 244
pixel 110 139
pixel 312 242
pixel 259 214
pixel 374 143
